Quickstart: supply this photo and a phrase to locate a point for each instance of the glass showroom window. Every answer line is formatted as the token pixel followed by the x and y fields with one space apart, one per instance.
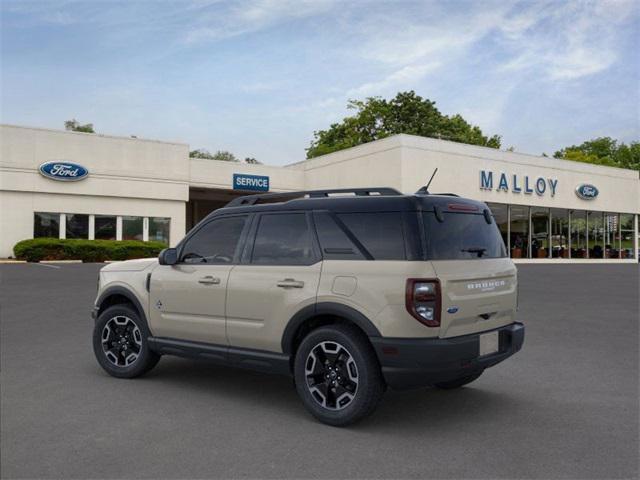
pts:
pixel 132 228
pixel 77 226
pixel 105 227
pixel 559 233
pixel 626 235
pixel 519 231
pixel 539 232
pixel 159 229
pixel 501 216
pixel 46 225
pixel 611 235
pixel 595 234
pixel 578 234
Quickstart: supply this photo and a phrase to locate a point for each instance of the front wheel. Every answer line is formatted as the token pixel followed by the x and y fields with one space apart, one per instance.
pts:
pixel 120 343
pixel 337 375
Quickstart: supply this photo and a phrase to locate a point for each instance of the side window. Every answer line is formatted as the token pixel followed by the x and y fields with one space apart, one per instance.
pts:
pixel 334 242
pixel 380 233
pixel 283 239
pixel 215 243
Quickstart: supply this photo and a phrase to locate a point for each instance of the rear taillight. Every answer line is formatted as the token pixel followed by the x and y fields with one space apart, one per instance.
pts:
pixel 423 301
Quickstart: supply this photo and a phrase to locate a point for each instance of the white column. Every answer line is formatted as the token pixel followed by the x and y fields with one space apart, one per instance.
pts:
pixel 63 226
pixel 92 227
pixel 570 213
pixel 118 228
pixel 635 237
pixel 145 229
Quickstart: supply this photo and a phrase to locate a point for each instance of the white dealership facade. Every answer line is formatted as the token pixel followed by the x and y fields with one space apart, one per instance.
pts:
pixel 548 210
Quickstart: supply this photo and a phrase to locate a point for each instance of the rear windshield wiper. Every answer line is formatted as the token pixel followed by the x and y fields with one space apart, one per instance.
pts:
pixel 479 250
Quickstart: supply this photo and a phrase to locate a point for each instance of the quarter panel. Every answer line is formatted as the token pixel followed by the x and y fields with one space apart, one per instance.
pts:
pixel 379 292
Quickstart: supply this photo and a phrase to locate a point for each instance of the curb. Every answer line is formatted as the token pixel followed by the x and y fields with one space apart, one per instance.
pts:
pixel 60 261
pixel 9 261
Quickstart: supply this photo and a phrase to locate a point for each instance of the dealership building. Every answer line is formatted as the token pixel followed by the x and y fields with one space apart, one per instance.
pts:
pixel 77 185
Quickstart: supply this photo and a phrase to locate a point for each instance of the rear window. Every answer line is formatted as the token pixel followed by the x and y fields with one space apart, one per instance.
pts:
pixel 462 236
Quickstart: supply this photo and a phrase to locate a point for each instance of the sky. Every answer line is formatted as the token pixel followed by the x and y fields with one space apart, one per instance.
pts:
pixel 258 77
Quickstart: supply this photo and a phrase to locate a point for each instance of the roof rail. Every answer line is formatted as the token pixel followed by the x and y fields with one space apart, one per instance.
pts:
pixel 360 192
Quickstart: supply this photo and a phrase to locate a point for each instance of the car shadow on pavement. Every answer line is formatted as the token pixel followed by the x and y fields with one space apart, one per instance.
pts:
pixel 411 410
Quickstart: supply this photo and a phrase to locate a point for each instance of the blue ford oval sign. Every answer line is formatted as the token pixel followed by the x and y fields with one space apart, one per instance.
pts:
pixel 63 171
pixel 586 191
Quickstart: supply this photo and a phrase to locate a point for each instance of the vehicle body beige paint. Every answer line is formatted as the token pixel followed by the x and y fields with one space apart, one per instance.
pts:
pixel 244 306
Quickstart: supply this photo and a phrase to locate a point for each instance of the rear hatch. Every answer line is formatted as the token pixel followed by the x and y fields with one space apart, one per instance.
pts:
pixel 478 283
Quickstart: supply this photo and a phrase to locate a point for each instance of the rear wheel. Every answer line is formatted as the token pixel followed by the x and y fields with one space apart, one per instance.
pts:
pixel 120 343
pixel 337 375
pixel 458 382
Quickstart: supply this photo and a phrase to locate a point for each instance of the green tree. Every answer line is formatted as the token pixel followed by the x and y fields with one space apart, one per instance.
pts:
pixel 252 161
pixel 377 118
pixel 74 126
pixel 219 155
pixel 603 151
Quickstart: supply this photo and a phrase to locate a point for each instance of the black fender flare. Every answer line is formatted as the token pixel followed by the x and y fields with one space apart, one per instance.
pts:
pixel 125 292
pixel 325 308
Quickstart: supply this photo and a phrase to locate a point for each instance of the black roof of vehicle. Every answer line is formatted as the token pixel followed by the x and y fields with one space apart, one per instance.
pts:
pixel 351 200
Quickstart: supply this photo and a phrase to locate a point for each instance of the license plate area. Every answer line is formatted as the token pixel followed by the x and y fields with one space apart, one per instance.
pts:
pixel 489 343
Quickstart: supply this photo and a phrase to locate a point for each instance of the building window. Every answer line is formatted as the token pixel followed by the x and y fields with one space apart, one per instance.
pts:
pixel 539 232
pixel 626 235
pixel 501 215
pixel 595 237
pixel 77 226
pixel 559 233
pixel 611 235
pixel 519 231
pixel 578 234
pixel 132 228
pixel 105 227
pixel 159 229
pixel 46 225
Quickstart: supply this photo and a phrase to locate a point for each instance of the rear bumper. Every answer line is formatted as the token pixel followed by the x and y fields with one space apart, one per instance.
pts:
pixel 417 362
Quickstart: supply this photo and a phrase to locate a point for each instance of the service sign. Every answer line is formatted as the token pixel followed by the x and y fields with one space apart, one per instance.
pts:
pixel 63 171
pixel 253 183
pixel 586 191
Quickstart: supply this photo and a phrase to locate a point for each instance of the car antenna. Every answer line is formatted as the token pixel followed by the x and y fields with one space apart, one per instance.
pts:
pixel 425 190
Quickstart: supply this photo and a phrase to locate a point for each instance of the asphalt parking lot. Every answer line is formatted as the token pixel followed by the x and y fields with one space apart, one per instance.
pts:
pixel 564 407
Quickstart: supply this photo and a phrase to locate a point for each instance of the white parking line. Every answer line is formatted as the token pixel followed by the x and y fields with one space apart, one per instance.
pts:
pixel 46 265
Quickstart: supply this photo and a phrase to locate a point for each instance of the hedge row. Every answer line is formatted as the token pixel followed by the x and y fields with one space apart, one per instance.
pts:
pixel 37 249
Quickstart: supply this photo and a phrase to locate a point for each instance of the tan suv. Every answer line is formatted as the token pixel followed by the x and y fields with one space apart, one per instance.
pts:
pixel 350 292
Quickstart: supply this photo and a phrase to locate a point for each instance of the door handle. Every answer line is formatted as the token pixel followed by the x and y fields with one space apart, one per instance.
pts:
pixel 290 283
pixel 209 280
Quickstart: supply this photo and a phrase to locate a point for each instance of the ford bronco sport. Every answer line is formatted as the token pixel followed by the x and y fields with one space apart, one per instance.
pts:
pixel 349 294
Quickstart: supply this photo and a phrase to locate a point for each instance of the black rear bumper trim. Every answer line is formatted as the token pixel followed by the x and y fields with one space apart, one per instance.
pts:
pixel 418 362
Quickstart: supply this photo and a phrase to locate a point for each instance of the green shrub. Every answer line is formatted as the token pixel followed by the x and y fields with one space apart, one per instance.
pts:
pixel 36 249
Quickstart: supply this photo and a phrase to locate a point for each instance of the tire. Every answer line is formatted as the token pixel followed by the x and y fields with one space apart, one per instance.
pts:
pixel 458 382
pixel 337 375
pixel 120 342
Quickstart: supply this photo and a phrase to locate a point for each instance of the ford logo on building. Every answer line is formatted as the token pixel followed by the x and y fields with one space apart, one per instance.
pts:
pixel 586 191
pixel 63 171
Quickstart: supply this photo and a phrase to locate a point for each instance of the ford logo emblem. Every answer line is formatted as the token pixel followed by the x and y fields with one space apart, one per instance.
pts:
pixel 63 171
pixel 452 309
pixel 586 191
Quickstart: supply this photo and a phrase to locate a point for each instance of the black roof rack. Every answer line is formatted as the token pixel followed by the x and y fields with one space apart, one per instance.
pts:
pixel 246 200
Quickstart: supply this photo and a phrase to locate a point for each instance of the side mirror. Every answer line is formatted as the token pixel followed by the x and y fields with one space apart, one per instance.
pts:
pixel 168 256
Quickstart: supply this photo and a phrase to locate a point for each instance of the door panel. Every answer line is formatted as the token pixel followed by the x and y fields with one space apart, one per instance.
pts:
pixel 188 302
pixel 262 298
